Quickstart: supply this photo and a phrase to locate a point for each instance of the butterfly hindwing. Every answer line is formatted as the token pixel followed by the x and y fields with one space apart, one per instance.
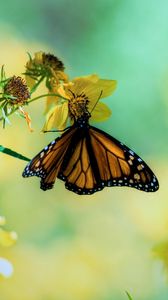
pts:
pixel 119 165
pixel 78 172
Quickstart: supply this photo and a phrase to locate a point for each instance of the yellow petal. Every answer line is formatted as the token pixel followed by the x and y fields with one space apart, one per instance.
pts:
pixel 38 57
pixel 94 88
pixel 77 86
pixel 7 239
pixel 57 117
pixel 60 76
pixel 2 220
pixel 101 112
pixel 80 85
pixel 51 100
pixel 63 90
pixel 107 86
pixel 55 89
pixel 101 89
pixel 92 77
pixel 6 268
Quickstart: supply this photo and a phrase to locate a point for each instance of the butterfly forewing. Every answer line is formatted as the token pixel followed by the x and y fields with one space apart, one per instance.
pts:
pixel 47 163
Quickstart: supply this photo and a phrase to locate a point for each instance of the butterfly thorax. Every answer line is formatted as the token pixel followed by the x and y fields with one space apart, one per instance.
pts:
pixel 82 122
pixel 78 108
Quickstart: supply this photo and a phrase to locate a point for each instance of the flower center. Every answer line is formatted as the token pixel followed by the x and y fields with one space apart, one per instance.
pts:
pixel 78 106
pixel 52 61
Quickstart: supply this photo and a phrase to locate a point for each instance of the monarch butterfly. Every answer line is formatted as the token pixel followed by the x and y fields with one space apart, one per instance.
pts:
pixel 88 159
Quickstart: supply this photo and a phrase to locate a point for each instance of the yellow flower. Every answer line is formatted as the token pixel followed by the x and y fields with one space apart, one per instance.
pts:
pixel 46 66
pixel 82 94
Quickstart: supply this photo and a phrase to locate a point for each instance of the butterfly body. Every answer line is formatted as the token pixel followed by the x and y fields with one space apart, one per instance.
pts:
pixel 88 159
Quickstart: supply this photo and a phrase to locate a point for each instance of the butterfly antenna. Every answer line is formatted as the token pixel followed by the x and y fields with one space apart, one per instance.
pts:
pixel 97 101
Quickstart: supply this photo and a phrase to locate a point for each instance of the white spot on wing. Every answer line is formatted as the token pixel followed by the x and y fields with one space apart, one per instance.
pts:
pixel 131 152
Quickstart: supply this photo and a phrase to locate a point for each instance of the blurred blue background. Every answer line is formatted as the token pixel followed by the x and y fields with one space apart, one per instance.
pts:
pixel 94 247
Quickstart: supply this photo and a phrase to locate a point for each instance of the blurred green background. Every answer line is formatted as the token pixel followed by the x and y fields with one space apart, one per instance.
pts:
pixel 89 247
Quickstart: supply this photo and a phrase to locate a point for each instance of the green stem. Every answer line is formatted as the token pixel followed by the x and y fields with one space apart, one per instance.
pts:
pixel 34 99
pixel 34 88
pixel 45 95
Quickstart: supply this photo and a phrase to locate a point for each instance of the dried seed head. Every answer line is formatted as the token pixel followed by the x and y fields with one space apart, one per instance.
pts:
pixel 16 87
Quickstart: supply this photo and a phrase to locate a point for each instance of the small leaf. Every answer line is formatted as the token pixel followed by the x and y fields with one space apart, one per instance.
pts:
pixel 29 55
pixel 5 116
pixel 48 84
pixel 13 153
pixel 9 96
pixel 129 297
pixel 34 88
pixel 2 73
